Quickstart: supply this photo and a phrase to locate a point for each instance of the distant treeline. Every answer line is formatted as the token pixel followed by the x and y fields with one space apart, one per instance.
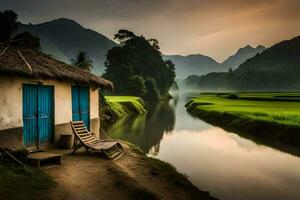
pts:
pixel 276 68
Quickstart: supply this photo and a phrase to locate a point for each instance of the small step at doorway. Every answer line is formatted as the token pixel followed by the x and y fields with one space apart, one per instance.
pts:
pixel 43 159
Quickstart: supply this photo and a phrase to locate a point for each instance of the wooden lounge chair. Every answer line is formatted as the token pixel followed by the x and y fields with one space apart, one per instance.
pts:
pixel 83 138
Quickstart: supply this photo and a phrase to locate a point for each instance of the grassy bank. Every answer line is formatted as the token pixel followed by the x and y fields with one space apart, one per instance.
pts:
pixel 122 106
pixel 23 183
pixel 262 115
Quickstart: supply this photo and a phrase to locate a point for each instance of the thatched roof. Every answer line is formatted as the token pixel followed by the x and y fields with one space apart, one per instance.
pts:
pixel 31 63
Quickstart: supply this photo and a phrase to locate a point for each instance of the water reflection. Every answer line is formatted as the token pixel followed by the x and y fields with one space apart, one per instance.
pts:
pixel 232 167
pixel 227 165
pixel 146 131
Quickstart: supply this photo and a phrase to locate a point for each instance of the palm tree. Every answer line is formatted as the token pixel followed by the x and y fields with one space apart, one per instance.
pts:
pixel 82 61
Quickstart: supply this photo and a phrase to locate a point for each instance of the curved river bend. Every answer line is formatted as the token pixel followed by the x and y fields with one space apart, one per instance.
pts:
pixel 227 165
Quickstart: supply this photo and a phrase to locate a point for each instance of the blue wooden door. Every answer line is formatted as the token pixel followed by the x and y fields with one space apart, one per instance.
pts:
pixel 75 104
pixel 38 122
pixel 81 104
pixel 45 114
pixel 30 110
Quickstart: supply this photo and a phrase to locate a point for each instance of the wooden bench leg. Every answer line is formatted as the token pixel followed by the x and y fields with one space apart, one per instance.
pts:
pixel 78 146
pixel 87 149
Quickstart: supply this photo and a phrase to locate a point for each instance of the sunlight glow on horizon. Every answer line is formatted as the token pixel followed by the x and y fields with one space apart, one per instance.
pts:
pixel 214 28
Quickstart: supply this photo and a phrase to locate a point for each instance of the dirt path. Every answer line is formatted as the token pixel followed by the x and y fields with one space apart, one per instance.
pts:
pixel 92 177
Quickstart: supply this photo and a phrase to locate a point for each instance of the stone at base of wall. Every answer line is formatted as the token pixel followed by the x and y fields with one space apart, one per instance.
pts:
pixel 11 138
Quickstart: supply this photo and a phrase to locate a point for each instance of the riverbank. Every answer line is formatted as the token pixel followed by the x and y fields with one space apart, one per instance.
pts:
pixel 84 176
pixel 261 116
pixel 122 106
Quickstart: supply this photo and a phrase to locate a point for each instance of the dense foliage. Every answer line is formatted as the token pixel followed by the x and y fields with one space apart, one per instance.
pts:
pixel 8 24
pixel 8 27
pixel 136 67
pixel 276 68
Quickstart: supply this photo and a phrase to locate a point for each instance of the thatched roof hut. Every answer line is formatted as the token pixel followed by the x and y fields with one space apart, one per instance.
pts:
pixel 31 63
pixel 40 96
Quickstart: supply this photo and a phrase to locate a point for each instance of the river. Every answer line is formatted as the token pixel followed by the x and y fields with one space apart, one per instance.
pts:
pixel 228 166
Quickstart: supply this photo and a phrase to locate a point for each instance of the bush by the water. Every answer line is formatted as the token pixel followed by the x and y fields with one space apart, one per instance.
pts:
pixel 232 96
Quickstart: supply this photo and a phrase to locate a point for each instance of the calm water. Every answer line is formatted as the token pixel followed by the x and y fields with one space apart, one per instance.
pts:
pixel 227 165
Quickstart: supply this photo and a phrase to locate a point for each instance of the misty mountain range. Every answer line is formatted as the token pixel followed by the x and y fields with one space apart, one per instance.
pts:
pixel 64 38
pixel 275 69
pixel 200 64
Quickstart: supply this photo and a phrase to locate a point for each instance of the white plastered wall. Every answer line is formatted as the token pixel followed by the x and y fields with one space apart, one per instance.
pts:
pixel 94 103
pixel 11 102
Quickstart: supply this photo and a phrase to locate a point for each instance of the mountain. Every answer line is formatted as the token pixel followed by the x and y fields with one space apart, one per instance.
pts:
pixel 282 57
pixel 64 38
pixel 241 56
pixel 276 68
pixel 198 64
pixel 193 64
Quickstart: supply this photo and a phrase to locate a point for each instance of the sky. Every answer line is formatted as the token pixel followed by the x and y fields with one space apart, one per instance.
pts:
pixel 216 28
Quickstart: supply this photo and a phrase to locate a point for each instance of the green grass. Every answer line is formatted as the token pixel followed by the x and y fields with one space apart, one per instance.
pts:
pixel 271 107
pixel 23 183
pixel 123 106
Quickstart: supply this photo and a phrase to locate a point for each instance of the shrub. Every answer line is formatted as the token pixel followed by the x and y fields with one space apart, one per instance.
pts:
pixel 232 96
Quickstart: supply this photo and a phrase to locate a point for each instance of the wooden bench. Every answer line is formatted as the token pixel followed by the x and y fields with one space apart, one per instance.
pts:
pixel 43 158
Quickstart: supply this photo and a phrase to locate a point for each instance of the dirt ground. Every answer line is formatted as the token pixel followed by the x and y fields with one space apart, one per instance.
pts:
pixel 93 177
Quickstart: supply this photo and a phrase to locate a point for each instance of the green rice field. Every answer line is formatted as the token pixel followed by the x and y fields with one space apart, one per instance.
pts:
pixel 282 108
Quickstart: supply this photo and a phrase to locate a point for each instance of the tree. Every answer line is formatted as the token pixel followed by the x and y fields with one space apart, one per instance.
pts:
pixel 169 75
pixel 124 35
pixel 136 86
pixel 138 56
pixel 152 91
pixel 8 24
pixel 154 43
pixel 82 61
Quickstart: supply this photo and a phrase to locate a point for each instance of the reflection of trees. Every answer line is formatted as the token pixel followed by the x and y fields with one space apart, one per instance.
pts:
pixel 145 131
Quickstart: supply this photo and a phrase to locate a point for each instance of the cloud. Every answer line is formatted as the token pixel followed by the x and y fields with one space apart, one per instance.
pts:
pixel 213 27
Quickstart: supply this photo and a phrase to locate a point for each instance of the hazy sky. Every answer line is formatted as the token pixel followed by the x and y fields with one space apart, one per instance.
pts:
pixel 215 28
